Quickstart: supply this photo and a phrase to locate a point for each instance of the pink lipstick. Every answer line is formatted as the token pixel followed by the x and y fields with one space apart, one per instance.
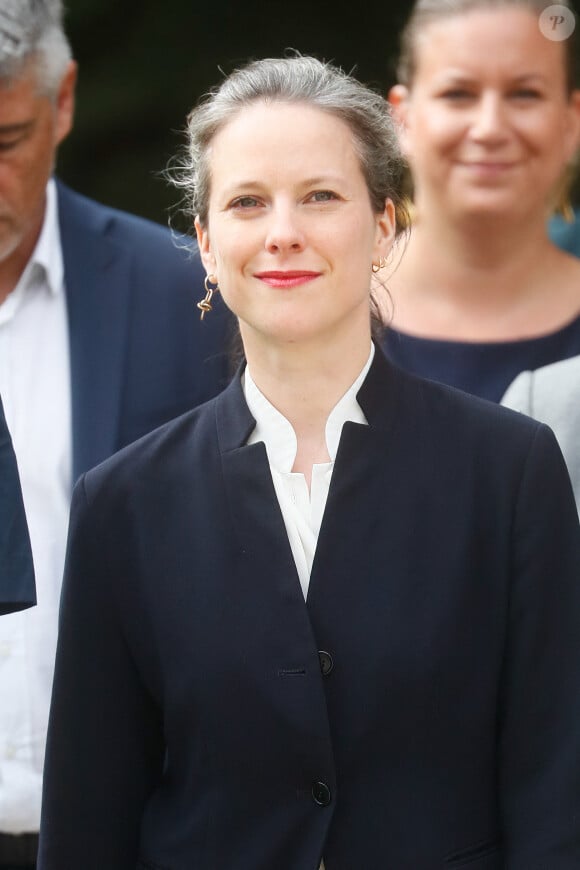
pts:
pixel 289 278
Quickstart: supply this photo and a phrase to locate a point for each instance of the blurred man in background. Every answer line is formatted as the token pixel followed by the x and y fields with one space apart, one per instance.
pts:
pixel 100 342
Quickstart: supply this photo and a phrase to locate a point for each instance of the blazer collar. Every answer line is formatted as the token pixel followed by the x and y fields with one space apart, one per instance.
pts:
pixel 379 394
pixel 234 419
pixel 378 397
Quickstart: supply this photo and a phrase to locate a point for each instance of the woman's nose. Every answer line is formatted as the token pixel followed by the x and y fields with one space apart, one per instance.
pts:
pixel 284 232
pixel 489 122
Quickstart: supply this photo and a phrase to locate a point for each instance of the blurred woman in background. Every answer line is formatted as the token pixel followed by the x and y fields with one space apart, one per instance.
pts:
pixel 489 123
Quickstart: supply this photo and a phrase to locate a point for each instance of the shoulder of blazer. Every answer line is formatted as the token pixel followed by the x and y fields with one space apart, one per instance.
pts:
pixel 181 441
pixel 409 400
pixel 189 440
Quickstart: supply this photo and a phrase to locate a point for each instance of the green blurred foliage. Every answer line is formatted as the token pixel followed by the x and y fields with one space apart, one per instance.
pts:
pixel 143 65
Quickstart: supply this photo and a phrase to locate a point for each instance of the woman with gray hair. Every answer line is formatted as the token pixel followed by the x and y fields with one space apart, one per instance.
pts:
pixel 324 617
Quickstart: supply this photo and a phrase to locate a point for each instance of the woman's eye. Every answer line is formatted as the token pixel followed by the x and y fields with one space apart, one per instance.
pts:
pixel 526 94
pixel 322 196
pixel 456 94
pixel 8 145
pixel 243 202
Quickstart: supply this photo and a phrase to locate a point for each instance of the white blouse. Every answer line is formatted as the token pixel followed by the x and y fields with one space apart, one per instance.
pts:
pixel 302 510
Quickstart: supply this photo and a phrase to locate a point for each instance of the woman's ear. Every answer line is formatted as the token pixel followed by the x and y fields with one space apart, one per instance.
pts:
pixel 205 252
pixel 398 98
pixel 386 231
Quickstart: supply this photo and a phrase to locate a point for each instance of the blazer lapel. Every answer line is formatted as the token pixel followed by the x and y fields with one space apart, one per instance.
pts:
pixel 252 500
pixel 98 280
pixel 365 460
pixel 295 688
pixel 253 504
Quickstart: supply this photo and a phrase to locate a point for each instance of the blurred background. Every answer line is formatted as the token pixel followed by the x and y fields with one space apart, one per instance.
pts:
pixel 144 63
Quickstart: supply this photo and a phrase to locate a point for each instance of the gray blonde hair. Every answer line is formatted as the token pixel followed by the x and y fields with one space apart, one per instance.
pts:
pixel 426 12
pixel 295 79
pixel 32 37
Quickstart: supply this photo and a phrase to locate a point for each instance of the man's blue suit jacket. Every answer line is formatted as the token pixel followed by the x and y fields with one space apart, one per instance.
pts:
pixel 16 571
pixel 192 725
pixel 139 354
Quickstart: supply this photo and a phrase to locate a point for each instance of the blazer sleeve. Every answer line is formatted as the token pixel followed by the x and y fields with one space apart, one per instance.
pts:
pixel 539 730
pixel 17 589
pixel 104 747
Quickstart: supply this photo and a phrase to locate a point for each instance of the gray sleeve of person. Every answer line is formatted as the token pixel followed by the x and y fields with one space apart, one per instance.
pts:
pixel 552 394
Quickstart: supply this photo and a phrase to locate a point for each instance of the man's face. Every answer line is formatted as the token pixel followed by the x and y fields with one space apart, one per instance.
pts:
pixel 31 127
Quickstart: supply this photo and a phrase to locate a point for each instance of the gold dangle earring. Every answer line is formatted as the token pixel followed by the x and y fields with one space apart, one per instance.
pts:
pixel 205 305
pixel 376 267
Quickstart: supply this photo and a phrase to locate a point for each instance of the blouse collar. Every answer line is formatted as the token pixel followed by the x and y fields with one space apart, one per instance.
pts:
pixel 276 431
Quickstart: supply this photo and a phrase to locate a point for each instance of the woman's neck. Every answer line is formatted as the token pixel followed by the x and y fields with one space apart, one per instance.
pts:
pixel 483 281
pixel 304 381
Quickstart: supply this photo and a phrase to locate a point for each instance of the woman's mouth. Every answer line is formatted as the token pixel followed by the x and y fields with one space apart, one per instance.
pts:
pixel 289 278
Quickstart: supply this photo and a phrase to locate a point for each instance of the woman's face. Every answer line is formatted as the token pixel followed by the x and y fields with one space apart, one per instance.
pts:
pixel 488 126
pixel 291 235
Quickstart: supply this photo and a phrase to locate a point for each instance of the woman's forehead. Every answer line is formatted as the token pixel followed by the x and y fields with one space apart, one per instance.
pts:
pixel 506 37
pixel 282 134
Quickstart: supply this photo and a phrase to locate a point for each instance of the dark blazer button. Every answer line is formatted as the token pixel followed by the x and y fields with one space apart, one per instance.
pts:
pixel 326 662
pixel 321 794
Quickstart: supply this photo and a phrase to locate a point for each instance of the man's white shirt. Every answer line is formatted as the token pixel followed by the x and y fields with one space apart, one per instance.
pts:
pixel 35 390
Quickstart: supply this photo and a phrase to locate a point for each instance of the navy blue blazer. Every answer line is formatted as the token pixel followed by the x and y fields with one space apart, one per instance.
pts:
pixel 194 723
pixel 17 590
pixel 139 354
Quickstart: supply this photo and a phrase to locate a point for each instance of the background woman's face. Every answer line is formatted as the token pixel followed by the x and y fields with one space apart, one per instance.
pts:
pixel 291 235
pixel 489 125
